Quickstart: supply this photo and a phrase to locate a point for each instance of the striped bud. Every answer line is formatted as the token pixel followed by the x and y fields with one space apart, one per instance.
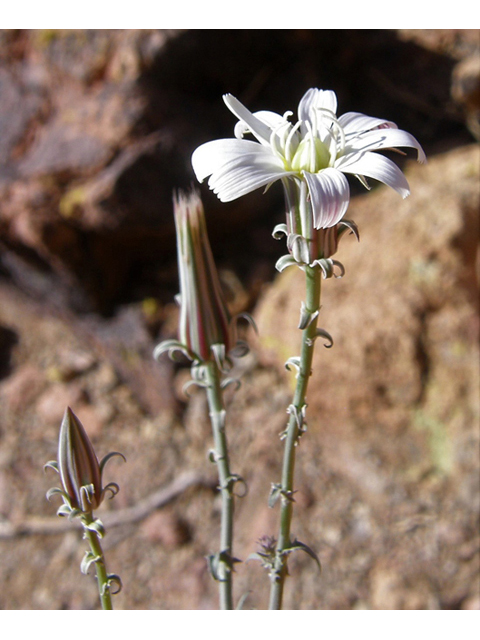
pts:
pixel 205 322
pixel 78 465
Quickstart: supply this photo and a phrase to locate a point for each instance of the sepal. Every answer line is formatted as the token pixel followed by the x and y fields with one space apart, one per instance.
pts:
pixel 108 457
pixel 51 464
pixel 172 347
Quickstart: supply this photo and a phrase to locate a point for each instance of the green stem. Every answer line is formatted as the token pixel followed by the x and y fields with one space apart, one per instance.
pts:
pixel 293 432
pixel 224 561
pixel 100 566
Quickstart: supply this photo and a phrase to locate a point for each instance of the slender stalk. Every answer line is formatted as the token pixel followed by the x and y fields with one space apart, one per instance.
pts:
pixel 226 480
pixel 100 566
pixel 293 432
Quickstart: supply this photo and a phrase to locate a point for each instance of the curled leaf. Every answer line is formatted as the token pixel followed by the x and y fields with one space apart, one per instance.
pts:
pixel 88 559
pixel 275 493
pixel 113 488
pixel 294 361
pixel 228 381
pixel 284 262
pixel 96 526
pixel 306 316
pixel 54 491
pixel 112 578
pixel 279 230
pixel 172 347
pixel 321 333
pixel 296 545
pixel 108 457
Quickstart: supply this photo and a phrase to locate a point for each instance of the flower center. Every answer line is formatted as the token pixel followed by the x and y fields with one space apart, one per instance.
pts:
pixel 312 155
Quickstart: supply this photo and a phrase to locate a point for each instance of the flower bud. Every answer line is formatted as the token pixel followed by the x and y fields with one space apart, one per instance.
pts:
pixel 328 239
pixel 78 465
pixel 204 318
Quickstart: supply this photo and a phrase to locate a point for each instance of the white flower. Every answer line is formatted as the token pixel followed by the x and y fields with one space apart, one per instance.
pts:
pixel 318 150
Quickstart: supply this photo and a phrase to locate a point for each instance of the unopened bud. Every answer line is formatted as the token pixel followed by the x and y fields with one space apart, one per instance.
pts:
pixel 204 317
pixel 79 469
pixel 78 465
pixel 328 239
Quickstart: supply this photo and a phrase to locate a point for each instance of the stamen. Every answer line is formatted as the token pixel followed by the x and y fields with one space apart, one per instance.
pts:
pixel 288 144
pixel 280 153
pixel 312 146
pixel 338 131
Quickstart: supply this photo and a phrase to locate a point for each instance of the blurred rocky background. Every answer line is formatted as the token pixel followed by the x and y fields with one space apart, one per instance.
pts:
pixel 96 131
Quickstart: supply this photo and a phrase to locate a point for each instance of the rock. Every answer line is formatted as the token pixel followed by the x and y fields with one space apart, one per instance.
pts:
pixel 165 528
pixel 51 405
pixel 18 106
pixel 466 90
pixel 22 387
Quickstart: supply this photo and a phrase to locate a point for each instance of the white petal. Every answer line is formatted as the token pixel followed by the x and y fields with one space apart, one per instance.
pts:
pixel 245 174
pixel 316 99
pixel 386 139
pixel 259 129
pixel 326 99
pixel 376 166
pixel 209 157
pixel 270 118
pixel 330 195
pixel 355 123
pixel 305 105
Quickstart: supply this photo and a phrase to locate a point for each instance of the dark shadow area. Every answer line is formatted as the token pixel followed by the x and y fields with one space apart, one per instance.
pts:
pixel 8 340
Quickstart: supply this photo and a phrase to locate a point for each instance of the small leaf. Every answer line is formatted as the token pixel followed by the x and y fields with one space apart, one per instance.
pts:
pixel 193 383
pixel 296 545
pixel 51 464
pixel 338 264
pixel 213 561
pixel 321 333
pixel 306 317
pixel 279 230
pixel 240 349
pixel 53 491
pixel 88 559
pixel 228 381
pixel 256 556
pixel 65 511
pixel 172 346
pixel 114 579
pixel 248 317
pixel 284 262
pixel 275 493
pixel 113 488
pixel 96 526
pixel 295 362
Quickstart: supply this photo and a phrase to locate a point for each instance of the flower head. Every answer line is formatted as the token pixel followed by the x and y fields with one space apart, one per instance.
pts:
pixel 316 152
pixel 79 469
pixel 206 330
